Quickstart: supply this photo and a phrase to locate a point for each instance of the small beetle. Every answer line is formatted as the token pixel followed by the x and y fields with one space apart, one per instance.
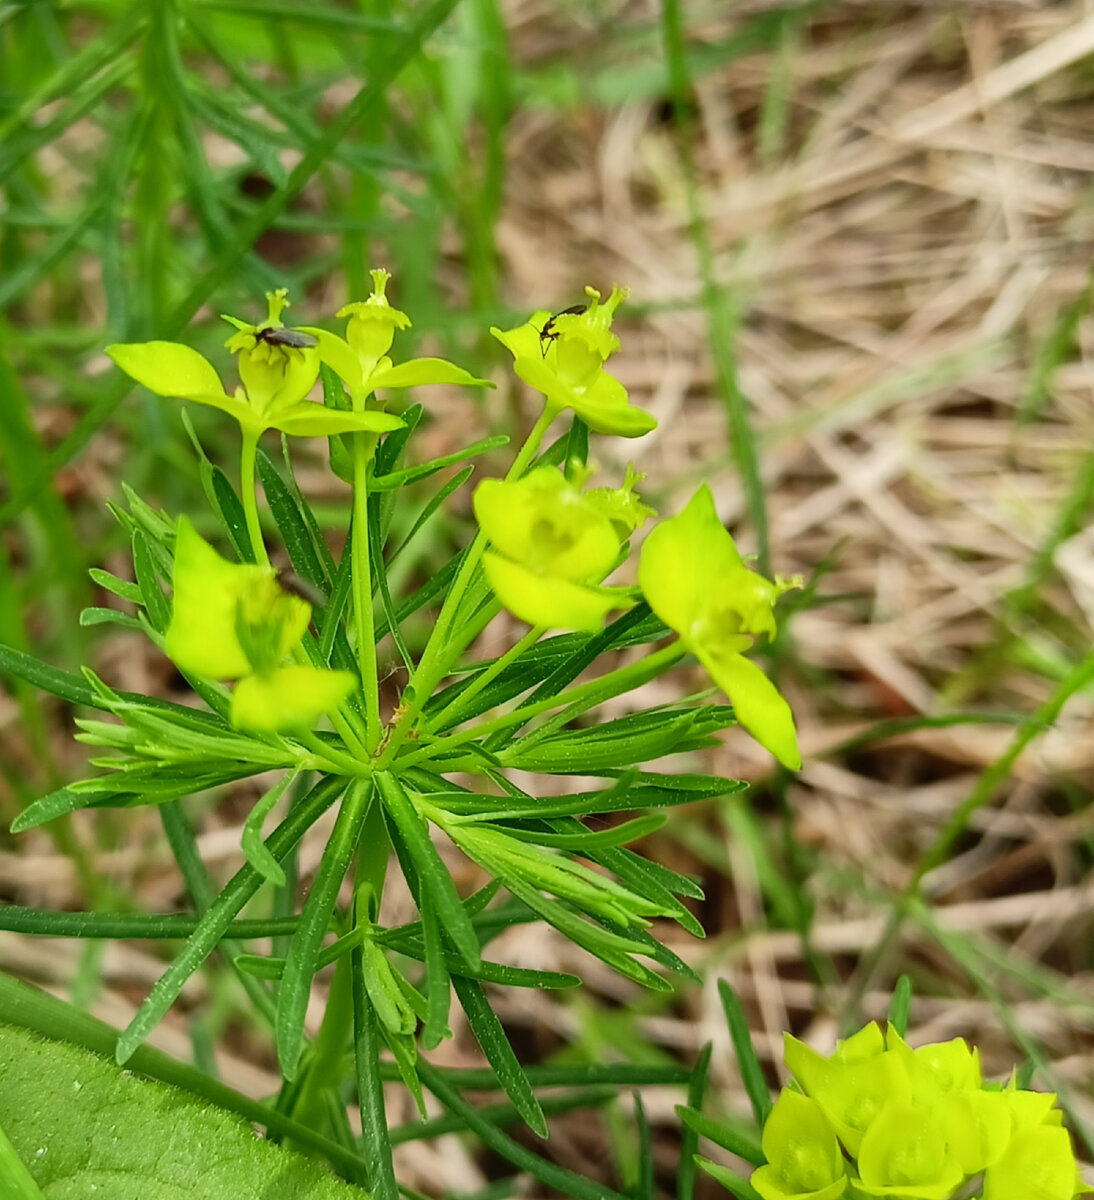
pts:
pixel 547 333
pixel 291 339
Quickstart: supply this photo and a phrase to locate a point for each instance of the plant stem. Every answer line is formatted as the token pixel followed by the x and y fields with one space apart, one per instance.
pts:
pixel 363 444
pixel 439 653
pixel 247 495
pixel 324 1070
pixel 577 699
pixel 333 759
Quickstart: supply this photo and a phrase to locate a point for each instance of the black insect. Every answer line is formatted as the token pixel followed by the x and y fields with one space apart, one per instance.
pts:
pixel 547 334
pixel 292 339
pixel 289 581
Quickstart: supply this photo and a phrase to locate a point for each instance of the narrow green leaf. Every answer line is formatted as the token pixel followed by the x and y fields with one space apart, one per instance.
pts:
pixel 495 1045
pixel 388 1001
pixel 900 1005
pixel 689 1138
pixel 254 848
pixel 738 1187
pixel 109 616
pixel 553 1177
pixel 397 479
pixel 228 505
pixel 435 501
pixel 155 602
pixel 587 840
pixel 291 523
pixel 438 986
pixel 214 924
pixel 752 1075
pixel 375 1140
pixel 121 588
pixel 48 922
pixel 300 963
pixel 729 1137
pixel 645 1187
pixel 433 874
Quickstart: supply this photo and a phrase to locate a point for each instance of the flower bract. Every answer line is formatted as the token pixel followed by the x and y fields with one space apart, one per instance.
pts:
pixel 696 581
pixel 234 621
pixel 803 1155
pixel 904 1153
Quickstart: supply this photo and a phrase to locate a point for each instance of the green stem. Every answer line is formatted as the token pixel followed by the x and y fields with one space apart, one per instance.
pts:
pixel 450 713
pixel 324 1070
pixel 332 759
pixel 363 445
pixel 577 699
pixel 247 495
pixel 439 653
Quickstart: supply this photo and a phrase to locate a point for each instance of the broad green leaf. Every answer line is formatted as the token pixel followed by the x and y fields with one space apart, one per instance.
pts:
pixel 85 1127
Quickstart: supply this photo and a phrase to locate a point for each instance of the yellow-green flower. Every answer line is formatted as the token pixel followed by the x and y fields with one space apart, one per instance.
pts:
pixel 803 1156
pixel 1039 1164
pixel 360 358
pixel 235 621
pixel 695 580
pixel 277 376
pixel 853 1084
pixel 551 548
pixel 567 365
pixel 904 1154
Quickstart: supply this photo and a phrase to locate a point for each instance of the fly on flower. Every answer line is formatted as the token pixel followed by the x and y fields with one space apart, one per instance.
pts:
pixel 549 333
pixel 293 339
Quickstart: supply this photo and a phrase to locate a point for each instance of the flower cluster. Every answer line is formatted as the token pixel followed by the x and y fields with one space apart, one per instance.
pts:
pixel 552 545
pixel 879 1119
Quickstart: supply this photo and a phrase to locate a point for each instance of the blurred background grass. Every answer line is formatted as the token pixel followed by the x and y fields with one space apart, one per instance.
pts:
pixel 858 238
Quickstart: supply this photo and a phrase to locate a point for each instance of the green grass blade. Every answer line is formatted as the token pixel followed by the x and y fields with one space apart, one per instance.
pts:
pixel 752 1074
pixel 553 1177
pixel 689 1137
